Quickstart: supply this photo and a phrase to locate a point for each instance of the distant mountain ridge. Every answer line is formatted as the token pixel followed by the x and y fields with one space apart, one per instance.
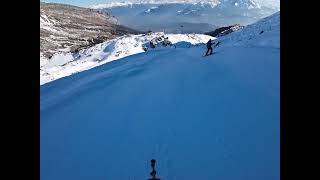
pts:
pixel 143 14
pixel 274 4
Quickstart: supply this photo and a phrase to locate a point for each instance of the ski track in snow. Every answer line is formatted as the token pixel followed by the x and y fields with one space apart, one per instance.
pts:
pixel 200 118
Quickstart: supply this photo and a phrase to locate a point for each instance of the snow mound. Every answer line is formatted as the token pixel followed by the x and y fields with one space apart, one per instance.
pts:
pixel 62 65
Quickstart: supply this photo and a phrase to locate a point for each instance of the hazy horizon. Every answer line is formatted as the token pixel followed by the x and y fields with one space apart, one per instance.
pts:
pixel 87 3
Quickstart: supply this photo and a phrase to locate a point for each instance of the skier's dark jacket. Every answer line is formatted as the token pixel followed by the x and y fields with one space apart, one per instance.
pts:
pixel 209 44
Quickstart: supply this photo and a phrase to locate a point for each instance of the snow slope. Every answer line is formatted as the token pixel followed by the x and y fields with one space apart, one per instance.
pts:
pixel 265 33
pixel 201 118
pixel 65 64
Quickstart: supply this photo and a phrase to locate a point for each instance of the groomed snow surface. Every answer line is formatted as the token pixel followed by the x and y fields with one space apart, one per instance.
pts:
pixel 201 118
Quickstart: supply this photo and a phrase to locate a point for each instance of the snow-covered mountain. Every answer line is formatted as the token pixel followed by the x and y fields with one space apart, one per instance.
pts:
pixel 275 4
pixel 130 3
pixel 65 28
pixel 66 64
pixel 144 15
pixel 215 117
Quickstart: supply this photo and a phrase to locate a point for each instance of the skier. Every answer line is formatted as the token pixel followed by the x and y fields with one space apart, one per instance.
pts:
pixel 152 45
pixel 166 42
pixel 209 46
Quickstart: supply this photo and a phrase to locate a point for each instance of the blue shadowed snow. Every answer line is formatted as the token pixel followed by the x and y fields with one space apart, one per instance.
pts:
pixel 215 117
pixel 200 118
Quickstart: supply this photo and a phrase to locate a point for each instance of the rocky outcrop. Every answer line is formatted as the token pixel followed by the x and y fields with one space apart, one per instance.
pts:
pixel 66 28
pixel 222 31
